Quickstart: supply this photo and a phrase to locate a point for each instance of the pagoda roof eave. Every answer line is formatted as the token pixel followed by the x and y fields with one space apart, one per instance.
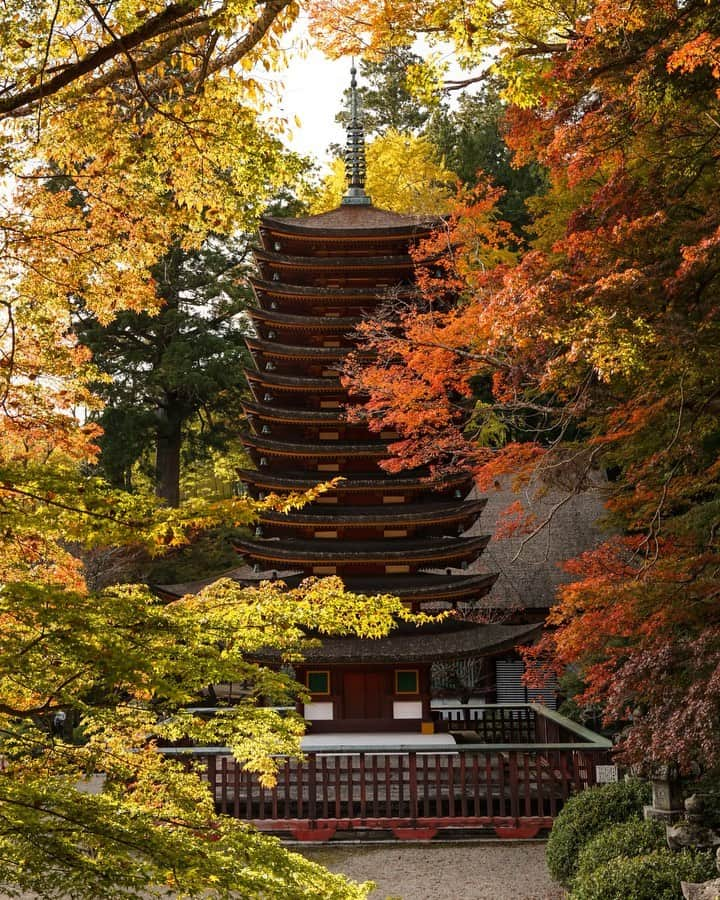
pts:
pixel 333 262
pixel 307 481
pixel 366 221
pixel 321 292
pixel 429 552
pixel 421 513
pixel 423 587
pixel 292 351
pixel 307 416
pixel 334 449
pixel 296 382
pixel 306 323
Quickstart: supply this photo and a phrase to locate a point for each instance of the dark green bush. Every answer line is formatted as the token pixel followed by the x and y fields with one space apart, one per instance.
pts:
pixel 636 837
pixel 656 876
pixel 586 815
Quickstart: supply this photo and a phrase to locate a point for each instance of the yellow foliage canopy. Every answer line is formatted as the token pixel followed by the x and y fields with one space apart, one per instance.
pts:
pixel 404 175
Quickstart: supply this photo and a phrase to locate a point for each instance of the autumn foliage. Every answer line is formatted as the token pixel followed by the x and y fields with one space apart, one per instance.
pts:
pixel 596 347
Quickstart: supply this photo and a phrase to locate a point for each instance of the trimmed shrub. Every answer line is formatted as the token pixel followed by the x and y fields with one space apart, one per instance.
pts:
pixel 636 837
pixel 656 876
pixel 586 815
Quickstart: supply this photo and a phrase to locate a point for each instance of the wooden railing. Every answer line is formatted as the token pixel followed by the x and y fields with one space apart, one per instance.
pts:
pixel 516 786
pixel 509 724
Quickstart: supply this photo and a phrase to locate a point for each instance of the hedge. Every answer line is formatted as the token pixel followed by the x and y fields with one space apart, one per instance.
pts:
pixel 636 837
pixel 655 876
pixel 586 815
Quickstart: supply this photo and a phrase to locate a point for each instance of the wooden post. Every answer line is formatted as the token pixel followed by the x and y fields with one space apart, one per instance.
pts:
pixel 312 788
pixel 412 775
pixel 514 783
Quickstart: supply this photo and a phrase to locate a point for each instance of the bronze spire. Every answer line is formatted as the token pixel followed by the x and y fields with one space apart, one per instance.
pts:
pixel 355 152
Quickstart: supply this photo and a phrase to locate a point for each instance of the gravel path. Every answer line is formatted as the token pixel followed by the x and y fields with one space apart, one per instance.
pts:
pixel 471 870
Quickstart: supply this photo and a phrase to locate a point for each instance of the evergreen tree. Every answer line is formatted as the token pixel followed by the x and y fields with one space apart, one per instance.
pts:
pixel 180 366
pixel 468 134
pixel 470 138
pixel 385 100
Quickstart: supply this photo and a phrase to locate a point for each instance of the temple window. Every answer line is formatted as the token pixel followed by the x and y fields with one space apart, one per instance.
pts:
pixel 318 682
pixel 406 681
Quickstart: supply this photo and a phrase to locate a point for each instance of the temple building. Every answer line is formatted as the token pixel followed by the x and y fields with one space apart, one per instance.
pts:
pixel 430 727
pixel 405 535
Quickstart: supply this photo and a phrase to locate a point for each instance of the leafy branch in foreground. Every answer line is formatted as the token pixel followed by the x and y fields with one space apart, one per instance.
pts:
pixel 122 665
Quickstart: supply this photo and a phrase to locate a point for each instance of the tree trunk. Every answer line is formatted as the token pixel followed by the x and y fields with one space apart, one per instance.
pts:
pixel 167 457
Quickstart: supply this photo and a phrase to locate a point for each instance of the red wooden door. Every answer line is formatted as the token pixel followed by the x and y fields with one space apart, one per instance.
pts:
pixel 364 694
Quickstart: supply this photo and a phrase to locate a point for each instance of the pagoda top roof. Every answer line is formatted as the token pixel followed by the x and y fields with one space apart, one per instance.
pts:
pixel 365 220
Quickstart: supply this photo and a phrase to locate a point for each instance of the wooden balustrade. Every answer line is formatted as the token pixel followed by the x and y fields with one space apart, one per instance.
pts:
pixel 463 787
pixel 511 783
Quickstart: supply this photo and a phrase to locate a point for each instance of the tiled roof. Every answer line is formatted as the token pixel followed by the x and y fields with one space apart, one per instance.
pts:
pixel 463 640
pixel 421 586
pixel 325 323
pixel 294 351
pixel 353 218
pixel 435 550
pixel 320 291
pixel 304 480
pixel 316 448
pixel 281 414
pixel 341 263
pixel 411 512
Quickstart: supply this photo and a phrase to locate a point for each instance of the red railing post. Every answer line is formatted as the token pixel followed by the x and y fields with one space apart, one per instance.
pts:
pixel 514 783
pixel 412 775
pixel 312 788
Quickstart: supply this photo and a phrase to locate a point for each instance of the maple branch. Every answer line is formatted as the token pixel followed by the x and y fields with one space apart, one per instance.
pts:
pixel 206 58
pixel 136 75
pixel 437 345
pixel 48 705
pixel 540 47
pixel 22 103
pixel 51 31
pixel 459 84
pixel 228 59
pixel 78 821
pixel 654 525
pixel 11 489
pixel 185 32
pixel 551 514
pixel 533 48
pixel 8 360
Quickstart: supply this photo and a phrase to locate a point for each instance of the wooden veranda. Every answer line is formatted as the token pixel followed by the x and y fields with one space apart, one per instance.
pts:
pixel 508 769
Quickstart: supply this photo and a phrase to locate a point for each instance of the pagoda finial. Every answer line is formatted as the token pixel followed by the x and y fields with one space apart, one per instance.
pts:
pixel 355 151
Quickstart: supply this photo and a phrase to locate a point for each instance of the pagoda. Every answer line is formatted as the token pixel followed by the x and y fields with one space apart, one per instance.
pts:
pixel 406 535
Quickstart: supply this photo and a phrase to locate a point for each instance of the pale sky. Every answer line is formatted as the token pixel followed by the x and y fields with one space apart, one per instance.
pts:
pixel 313 88
pixel 313 91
